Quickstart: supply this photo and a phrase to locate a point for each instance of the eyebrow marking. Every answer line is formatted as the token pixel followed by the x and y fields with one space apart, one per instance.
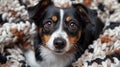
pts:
pixel 54 18
pixel 68 19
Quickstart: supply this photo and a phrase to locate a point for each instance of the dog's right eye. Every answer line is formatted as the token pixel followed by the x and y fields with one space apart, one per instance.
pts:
pixel 48 24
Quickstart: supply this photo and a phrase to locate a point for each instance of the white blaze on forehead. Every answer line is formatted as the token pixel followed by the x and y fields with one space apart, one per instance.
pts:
pixel 58 33
pixel 61 19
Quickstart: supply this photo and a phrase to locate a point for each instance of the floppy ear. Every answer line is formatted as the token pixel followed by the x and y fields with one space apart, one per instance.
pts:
pixel 36 11
pixel 86 13
pixel 93 25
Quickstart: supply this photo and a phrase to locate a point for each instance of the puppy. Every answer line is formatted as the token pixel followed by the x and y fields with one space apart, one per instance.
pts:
pixel 63 32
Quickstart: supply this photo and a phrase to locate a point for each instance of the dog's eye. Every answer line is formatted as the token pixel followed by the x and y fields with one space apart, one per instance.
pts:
pixel 72 26
pixel 48 24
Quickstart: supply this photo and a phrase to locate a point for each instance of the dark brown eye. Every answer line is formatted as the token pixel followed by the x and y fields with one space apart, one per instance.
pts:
pixel 48 24
pixel 72 26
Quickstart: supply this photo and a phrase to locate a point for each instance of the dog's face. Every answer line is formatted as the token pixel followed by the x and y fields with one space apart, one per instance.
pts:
pixel 60 28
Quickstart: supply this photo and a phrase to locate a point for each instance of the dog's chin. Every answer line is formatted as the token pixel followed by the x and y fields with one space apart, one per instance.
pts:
pixel 60 52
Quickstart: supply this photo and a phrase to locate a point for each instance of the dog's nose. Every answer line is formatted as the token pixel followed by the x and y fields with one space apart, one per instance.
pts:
pixel 59 43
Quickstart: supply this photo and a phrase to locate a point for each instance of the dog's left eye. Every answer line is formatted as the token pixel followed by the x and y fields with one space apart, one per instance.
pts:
pixel 48 24
pixel 72 25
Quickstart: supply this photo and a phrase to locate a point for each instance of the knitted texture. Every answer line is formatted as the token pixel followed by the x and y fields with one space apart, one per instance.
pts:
pixel 17 32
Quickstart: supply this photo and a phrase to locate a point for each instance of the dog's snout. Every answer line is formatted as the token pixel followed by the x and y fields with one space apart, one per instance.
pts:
pixel 59 43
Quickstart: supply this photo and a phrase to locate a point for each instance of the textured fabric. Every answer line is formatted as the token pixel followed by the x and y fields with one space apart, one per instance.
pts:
pixel 17 34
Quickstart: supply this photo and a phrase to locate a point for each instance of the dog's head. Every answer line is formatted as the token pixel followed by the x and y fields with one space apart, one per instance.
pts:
pixel 60 28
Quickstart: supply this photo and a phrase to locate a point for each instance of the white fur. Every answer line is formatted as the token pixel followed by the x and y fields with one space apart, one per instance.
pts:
pixel 53 60
pixel 30 57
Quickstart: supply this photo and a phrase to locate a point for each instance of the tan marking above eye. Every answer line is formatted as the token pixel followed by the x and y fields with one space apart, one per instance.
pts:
pixel 54 18
pixel 68 19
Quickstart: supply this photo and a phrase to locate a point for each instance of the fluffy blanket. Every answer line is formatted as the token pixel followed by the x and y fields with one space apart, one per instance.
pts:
pixel 17 34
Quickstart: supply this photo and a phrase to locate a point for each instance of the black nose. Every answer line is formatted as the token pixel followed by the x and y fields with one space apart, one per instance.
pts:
pixel 59 43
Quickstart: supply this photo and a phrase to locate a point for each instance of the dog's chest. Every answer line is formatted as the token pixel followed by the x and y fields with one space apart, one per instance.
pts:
pixel 53 60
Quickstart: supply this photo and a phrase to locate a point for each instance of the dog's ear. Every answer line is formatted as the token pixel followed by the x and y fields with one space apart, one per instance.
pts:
pixel 90 18
pixel 86 13
pixel 36 11
pixel 93 25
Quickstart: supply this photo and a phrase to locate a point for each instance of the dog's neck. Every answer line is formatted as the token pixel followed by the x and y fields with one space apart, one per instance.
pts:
pixel 51 59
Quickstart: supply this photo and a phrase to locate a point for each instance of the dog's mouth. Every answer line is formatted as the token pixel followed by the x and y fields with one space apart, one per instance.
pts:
pixel 69 50
pixel 62 51
pixel 56 51
pixel 59 51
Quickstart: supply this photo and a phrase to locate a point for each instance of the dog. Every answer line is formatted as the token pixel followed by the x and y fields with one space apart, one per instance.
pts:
pixel 63 33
